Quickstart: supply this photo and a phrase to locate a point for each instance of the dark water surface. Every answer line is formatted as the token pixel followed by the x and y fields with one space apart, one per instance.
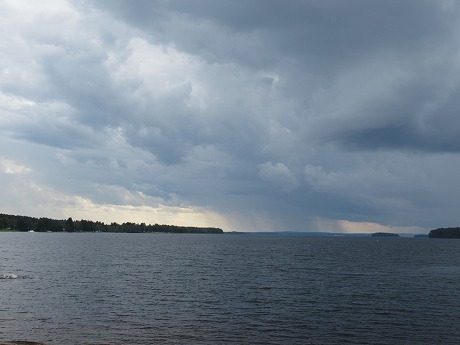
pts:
pixel 228 289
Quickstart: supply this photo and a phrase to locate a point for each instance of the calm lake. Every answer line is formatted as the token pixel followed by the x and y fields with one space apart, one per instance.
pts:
pixel 107 288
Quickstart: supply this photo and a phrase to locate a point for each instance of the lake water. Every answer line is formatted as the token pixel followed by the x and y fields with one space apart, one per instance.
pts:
pixel 228 289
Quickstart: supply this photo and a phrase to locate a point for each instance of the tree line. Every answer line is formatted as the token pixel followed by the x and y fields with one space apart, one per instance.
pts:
pixel 43 224
pixel 445 233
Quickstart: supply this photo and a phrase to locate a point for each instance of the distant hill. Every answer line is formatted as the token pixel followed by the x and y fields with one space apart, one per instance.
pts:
pixel 384 234
pixel 445 233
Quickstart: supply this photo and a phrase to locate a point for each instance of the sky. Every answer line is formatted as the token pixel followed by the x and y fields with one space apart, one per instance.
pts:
pixel 261 115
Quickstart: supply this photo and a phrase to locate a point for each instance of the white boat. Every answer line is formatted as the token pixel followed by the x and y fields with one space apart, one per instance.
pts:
pixel 8 276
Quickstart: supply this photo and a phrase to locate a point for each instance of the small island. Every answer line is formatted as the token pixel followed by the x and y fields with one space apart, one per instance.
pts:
pixel 384 234
pixel 445 233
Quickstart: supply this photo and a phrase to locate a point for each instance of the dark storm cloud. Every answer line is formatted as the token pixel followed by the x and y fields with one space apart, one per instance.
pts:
pixel 399 137
pixel 317 31
pixel 418 112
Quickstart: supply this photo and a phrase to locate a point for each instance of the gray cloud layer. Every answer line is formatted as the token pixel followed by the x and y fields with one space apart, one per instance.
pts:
pixel 274 114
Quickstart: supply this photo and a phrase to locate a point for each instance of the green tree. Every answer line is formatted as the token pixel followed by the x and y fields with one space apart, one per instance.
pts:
pixel 22 224
pixel 69 225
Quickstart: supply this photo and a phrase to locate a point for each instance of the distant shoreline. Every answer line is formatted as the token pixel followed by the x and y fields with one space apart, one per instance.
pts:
pixel 44 224
pixel 249 233
pixel 18 223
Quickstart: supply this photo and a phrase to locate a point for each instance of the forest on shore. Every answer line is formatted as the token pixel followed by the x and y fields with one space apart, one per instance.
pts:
pixel 43 224
pixel 445 233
